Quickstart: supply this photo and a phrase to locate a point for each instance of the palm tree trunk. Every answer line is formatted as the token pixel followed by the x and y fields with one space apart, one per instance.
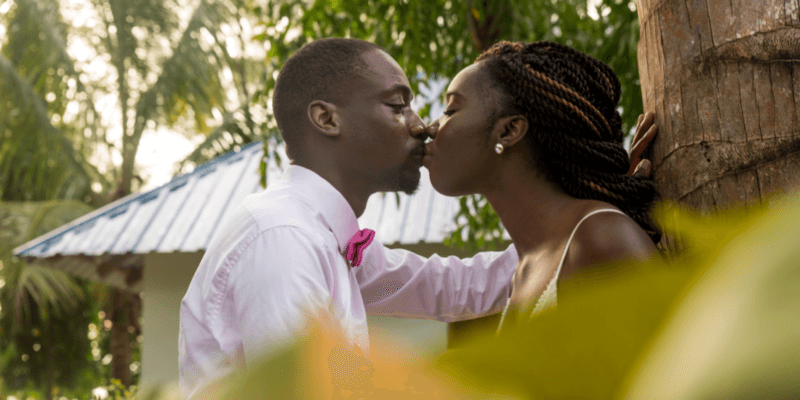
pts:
pixel 723 77
pixel 119 340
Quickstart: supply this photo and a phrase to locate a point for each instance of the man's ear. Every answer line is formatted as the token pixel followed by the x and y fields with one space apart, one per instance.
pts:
pixel 510 130
pixel 324 117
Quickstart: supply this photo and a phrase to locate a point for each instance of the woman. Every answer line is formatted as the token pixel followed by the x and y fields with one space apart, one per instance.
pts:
pixel 534 128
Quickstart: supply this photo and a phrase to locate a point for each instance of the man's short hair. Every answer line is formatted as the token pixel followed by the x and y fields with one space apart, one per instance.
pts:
pixel 315 72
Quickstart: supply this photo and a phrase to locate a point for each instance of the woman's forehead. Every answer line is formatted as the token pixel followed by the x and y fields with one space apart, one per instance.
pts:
pixel 464 81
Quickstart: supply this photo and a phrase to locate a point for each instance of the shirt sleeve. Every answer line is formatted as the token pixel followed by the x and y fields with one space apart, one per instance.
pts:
pixel 399 283
pixel 281 279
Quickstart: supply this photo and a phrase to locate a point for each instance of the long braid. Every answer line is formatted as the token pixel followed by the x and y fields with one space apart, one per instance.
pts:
pixel 570 101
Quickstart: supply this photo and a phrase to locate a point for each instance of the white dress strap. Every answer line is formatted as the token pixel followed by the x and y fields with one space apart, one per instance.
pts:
pixel 564 256
pixel 549 296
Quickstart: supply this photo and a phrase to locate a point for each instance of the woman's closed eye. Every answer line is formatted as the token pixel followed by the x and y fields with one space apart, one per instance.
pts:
pixel 449 112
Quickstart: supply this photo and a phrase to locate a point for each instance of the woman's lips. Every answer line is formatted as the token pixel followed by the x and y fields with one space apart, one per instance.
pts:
pixel 418 155
pixel 428 153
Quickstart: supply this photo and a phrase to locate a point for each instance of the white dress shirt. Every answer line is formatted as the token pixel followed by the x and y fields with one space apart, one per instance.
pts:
pixel 281 254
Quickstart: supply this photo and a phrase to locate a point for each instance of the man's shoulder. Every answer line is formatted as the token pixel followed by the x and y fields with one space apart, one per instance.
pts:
pixel 277 214
pixel 279 207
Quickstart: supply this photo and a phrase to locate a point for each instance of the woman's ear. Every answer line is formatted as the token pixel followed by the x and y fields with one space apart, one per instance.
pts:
pixel 324 117
pixel 511 130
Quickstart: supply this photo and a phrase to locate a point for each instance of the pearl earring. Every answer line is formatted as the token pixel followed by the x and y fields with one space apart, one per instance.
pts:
pixel 498 148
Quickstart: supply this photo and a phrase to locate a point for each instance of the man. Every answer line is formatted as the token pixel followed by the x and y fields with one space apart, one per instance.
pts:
pixel 342 106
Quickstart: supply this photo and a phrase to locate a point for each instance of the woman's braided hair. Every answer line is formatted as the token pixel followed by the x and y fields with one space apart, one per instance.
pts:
pixel 570 99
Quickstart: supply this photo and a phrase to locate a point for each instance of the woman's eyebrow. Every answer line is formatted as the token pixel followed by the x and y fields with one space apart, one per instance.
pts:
pixel 453 93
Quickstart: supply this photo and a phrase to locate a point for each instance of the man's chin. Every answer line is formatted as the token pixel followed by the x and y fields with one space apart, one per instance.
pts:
pixel 405 180
pixel 408 181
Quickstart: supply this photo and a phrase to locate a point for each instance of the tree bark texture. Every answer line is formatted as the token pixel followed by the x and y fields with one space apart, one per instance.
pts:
pixel 723 77
pixel 119 340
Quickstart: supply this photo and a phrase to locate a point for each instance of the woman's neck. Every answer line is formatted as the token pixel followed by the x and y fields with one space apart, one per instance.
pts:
pixel 531 209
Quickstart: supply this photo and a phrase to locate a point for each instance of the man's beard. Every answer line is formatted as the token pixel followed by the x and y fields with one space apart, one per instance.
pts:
pixel 408 178
pixel 404 179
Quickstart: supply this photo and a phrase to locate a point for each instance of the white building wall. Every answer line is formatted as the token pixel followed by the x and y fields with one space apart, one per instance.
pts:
pixel 165 280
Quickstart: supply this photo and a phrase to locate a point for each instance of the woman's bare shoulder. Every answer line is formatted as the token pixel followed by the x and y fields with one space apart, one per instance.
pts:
pixel 605 237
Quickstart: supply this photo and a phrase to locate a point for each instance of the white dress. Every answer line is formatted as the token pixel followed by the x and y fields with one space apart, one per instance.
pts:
pixel 549 297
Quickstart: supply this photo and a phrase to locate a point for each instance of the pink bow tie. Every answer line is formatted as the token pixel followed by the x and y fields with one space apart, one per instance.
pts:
pixel 357 244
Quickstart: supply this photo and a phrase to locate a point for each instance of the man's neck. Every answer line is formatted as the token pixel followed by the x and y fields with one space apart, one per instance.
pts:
pixel 355 193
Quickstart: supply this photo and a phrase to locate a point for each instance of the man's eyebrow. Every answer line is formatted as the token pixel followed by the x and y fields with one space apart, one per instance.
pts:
pixel 402 88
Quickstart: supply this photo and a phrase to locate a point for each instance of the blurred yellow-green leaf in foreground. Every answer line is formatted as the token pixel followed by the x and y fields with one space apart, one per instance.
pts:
pixel 736 331
pixel 722 321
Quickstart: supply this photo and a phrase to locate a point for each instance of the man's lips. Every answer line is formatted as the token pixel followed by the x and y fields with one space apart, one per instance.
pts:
pixel 419 152
pixel 418 155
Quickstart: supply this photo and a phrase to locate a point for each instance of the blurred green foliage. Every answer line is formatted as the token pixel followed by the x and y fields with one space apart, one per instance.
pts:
pixel 432 39
pixel 82 81
pixel 53 331
pixel 44 314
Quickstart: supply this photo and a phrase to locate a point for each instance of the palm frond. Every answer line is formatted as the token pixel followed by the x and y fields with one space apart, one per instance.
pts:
pixel 36 54
pixel 34 289
pixel 37 160
pixel 233 131
pixel 153 16
pixel 187 77
pixel 40 42
pixel 53 214
pixel 46 289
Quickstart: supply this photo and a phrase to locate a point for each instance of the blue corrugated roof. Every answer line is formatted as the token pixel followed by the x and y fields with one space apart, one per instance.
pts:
pixel 183 214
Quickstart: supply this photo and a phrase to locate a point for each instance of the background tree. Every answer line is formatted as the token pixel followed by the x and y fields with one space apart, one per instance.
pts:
pixel 723 78
pixel 43 313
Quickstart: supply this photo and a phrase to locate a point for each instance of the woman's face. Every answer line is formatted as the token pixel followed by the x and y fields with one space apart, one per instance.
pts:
pixel 461 157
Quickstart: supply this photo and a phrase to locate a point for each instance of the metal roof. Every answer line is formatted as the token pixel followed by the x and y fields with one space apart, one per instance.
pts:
pixel 181 216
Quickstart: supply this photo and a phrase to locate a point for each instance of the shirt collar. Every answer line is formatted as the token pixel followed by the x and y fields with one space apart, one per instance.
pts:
pixel 334 211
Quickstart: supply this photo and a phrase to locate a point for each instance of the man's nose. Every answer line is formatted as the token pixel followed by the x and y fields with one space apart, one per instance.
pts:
pixel 417 128
pixel 419 131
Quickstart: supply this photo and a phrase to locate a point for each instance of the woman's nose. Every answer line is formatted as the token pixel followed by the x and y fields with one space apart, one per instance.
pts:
pixel 433 129
pixel 417 127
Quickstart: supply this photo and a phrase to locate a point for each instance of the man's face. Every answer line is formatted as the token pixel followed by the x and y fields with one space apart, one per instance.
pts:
pixel 376 125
